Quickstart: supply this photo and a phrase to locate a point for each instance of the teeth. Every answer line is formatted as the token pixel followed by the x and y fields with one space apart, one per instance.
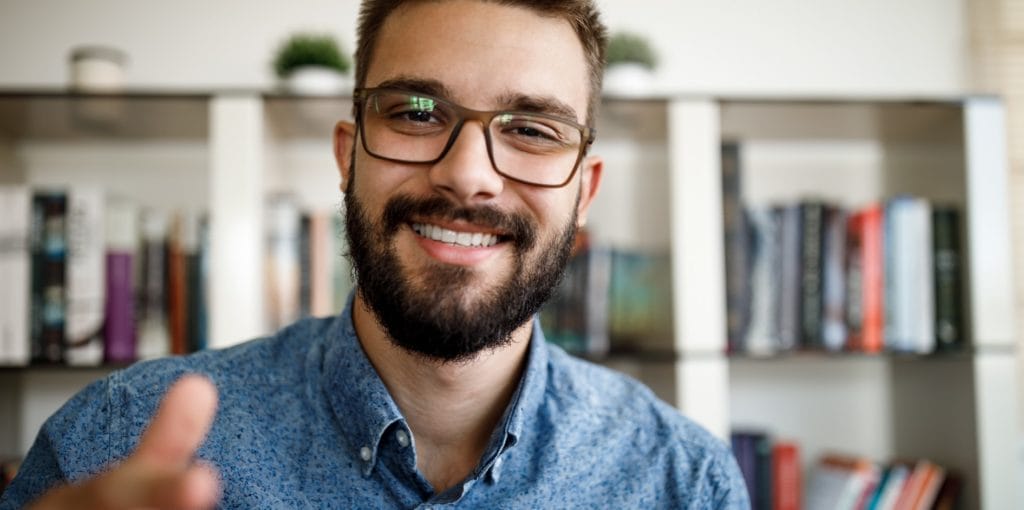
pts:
pixel 444 235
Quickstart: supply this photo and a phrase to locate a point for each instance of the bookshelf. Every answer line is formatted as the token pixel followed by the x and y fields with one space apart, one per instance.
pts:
pixel 223 153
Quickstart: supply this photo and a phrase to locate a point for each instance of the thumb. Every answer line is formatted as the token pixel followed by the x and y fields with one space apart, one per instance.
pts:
pixel 180 424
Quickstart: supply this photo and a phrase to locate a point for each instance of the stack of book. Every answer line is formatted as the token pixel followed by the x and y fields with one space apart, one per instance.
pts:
pixel 771 470
pixel 308 273
pixel 610 299
pixel 811 275
pixel 841 482
pixel 93 278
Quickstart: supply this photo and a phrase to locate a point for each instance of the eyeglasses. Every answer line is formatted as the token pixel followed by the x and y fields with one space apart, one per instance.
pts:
pixel 409 127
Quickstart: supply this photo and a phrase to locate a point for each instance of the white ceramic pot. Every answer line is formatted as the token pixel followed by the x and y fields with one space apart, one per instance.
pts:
pixel 317 81
pixel 628 79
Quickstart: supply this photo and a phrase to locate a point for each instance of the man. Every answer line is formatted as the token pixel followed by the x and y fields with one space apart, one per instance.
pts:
pixel 466 176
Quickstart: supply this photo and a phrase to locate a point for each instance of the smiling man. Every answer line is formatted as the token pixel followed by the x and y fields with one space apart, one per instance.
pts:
pixel 466 175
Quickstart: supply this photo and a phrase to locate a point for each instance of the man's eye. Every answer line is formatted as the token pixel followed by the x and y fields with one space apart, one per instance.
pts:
pixel 531 132
pixel 416 116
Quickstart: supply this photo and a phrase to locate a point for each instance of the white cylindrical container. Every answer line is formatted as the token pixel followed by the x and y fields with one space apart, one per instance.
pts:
pixel 97 69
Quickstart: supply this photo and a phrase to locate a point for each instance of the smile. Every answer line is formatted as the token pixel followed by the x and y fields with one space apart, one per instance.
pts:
pixel 456 238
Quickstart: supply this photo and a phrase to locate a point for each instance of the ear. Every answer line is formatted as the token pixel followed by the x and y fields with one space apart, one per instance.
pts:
pixel 344 141
pixel 590 171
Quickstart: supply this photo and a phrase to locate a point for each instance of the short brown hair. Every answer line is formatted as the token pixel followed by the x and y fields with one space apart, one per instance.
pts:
pixel 582 15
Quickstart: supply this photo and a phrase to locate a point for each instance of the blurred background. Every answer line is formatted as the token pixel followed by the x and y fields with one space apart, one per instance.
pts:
pixel 207 68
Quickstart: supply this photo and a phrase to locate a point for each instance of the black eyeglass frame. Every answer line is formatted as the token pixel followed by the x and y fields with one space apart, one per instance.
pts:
pixel 485 118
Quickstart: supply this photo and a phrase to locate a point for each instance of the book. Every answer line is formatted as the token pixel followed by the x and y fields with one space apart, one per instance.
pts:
pixel 833 294
pixel 15 272
pixel 786 476
pixel 305 266
pixel 195 294
pixel 153 338
pixel 762 327
pixel 576 316
pixel 865 296
pixel 909 274
pixel 890 486
pixel 640 299
pixel 119 340
pixel 753 452
pixel 812 262
pixel 321 267
pixel 86 276
pixel 737 249
pixel 49 273
pixel 949 324
pixel 177 281
pixel 840 482
pixel 791 257
pixel 283 261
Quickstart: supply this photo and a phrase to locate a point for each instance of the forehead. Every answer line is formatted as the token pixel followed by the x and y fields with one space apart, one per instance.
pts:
pixel 482 52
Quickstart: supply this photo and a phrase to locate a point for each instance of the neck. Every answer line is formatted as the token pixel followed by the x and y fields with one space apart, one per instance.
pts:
pixel 452 408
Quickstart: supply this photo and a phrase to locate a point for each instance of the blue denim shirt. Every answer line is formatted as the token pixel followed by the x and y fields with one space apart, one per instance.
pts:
pixel 305 422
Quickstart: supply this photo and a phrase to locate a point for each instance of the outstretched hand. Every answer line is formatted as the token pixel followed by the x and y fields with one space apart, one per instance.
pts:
pixel 160 473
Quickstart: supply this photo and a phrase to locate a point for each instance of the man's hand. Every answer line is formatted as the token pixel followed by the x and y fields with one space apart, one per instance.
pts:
pixel 161 473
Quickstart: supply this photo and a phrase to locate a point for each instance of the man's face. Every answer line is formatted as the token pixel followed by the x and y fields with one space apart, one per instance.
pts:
pixel 440 298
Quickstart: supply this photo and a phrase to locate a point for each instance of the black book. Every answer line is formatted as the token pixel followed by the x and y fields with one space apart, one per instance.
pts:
pixel 737 250
pixel 812 250
pixel 49 274
pixel 949 325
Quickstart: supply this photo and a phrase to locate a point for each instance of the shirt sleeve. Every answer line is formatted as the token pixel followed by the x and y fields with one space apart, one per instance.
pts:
pixel 75 443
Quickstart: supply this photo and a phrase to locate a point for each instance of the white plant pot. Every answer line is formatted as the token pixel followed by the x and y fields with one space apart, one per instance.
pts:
pixel 628 80
pixel 317 81
pixel 97 69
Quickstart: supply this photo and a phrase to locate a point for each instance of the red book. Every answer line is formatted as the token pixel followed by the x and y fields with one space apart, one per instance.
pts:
pixel 786 486
pixel 866 270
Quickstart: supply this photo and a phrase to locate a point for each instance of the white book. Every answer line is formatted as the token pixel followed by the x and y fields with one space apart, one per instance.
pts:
pixel 284 223
pixel 15 272
pixel 761 335
pixel 154 338
pixel 921 319
pixel 86 276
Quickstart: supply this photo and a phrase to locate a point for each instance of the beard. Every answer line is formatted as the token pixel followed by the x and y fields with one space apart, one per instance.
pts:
pixel 435 314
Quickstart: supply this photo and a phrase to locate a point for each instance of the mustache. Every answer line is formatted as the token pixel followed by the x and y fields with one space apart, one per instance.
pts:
pixel 516 228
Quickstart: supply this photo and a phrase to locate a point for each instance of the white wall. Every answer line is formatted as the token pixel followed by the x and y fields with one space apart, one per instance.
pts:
pixel 738 46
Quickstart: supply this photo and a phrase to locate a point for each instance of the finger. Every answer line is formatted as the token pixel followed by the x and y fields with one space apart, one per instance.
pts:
pixel 180 424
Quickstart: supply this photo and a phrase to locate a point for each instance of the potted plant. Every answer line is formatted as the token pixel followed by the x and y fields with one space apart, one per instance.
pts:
pixel 631 63
pixel 312 64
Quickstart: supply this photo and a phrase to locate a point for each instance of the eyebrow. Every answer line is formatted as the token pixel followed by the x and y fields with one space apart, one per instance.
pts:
pixel 509 101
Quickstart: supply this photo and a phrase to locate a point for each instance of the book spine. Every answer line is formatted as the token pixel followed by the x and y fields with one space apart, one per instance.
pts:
pixel 761 331
pixel 787 489
pixel 119 331
pixel 321 246
pixel 921 268
pixel 789 279
pixel 193 281
pixel 177 300
pixel 872 280
pixel 854 281
pixel 283 261
pixel 15 272
pixel 949 327
pixel 812 218
pixel 833 327
pixel 86 276
pixel 737 253
pixel 154 341
pixel 49 293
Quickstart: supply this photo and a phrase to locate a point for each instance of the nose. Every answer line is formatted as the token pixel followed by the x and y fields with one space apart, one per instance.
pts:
pixel 465 173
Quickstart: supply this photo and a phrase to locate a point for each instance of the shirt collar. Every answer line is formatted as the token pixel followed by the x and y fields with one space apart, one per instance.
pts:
pixel 365 409
pixel 361 403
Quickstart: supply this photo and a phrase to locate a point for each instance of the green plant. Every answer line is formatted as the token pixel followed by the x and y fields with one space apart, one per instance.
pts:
pixel 310 50
pixel 627 47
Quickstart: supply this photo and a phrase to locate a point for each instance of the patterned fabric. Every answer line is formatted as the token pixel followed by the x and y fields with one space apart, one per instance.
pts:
pixel 305 422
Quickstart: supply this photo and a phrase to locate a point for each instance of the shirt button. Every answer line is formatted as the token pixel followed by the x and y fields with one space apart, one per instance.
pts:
pixel 365 453
pixel 402 437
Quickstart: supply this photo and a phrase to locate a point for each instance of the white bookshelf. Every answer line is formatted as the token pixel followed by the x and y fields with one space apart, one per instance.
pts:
pixel 225 152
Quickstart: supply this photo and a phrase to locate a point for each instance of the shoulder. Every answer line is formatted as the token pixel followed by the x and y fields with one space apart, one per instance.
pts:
pixel 103 422
pixel 639 428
